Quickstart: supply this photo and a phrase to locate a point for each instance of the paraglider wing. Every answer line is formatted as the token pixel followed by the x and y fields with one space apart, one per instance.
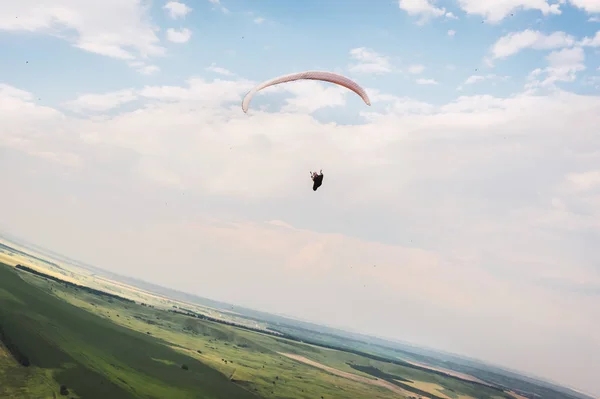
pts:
pixel 310 75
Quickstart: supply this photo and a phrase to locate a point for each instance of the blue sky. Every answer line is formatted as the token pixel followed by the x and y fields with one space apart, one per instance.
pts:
pixel 472 182
pixel 296 36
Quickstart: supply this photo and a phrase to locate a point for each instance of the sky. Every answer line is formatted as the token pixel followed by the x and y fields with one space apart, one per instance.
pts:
pixel 460 211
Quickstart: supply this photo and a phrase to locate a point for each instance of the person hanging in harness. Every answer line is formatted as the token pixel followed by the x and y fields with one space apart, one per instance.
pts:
pixel 317 179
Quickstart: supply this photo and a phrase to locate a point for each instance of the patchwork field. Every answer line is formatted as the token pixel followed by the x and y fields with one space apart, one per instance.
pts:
pixel 76 331
pixel 99 346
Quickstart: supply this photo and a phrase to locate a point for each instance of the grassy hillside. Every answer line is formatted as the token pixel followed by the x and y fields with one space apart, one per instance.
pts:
pixel 17 381
pixel 92 356
pixel 55 265
pixel 101 346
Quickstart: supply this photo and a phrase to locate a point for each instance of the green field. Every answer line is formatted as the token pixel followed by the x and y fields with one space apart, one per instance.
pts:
pixel 94 357
pixel 103 347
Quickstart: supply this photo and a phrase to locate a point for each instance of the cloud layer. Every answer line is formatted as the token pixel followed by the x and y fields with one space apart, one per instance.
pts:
pixel 473 206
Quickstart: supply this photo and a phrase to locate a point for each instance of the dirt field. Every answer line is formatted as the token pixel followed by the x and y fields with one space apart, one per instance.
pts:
pixel 354 377
pixel 516 395
pixel 449 372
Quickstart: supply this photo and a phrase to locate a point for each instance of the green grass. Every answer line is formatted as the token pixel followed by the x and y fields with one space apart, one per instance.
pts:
pixel 96 358
pixel 105 348
pixel 17 381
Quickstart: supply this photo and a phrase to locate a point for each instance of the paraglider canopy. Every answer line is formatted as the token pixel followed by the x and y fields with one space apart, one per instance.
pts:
pixel 308 75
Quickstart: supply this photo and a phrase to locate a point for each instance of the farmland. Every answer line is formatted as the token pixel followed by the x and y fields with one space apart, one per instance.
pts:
pixel 70 332
pixel 100 346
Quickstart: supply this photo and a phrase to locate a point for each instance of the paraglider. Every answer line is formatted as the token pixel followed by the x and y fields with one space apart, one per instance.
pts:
pixel 308 75
pixel 323 76
pixel 317 179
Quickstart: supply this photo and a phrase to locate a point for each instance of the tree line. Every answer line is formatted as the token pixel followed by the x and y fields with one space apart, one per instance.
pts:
pixel 73 285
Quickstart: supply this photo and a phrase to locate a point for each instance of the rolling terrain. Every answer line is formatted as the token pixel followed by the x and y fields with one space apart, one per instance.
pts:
pixel 66 329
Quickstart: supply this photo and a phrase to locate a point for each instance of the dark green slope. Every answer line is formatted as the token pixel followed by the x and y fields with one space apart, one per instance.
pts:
pixel 95 358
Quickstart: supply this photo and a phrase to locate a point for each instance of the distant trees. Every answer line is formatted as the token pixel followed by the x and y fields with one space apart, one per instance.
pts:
pixel 185 367
pixel 72 285
pixel 232 324
pixel 63 390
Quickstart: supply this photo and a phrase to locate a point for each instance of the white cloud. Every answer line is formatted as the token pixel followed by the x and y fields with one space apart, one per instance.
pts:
pixel 398 105
pixel 217 4
pixel 418 7
pixel 593 81
pixel 179 36
pixel 590 6
pixel 200 91
pixel 101 102
pixel 451 32
pixel 422 8
pixel 594 19
pixel 144 68
pixel 259 20
pixel 221 71
pixel 113 28
pixel 480 78
pixel 18 108
pixel 592 42
pixel 496 10
pixel 586 180
pixel 426 81
pixel 8 92
pixel 416 69
pixel 451 15
pixel 563 67
pixel 514 42
pixel 474 79
pixel 148 69
pixel 310 96
pixel 369 61
pixel 177 10
pixel 568 56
